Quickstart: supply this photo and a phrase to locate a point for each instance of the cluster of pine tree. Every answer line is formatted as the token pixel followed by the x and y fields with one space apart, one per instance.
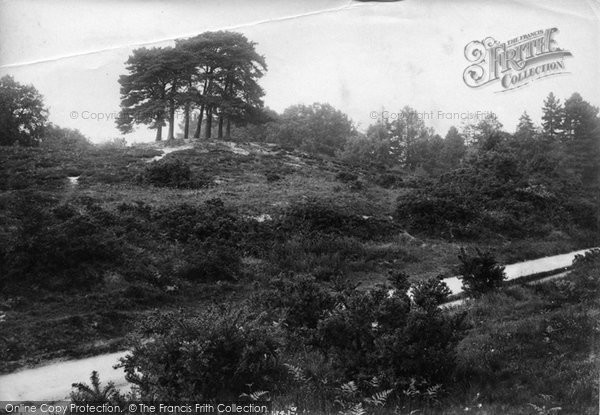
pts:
pixel 214 73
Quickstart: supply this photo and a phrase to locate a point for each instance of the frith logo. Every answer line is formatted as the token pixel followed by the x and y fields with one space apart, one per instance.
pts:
pixel 514 63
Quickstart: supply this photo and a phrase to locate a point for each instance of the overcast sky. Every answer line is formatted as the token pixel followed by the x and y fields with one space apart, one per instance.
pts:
pixel 359 57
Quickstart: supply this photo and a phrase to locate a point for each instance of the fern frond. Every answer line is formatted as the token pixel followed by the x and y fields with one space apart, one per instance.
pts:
pixel 357 409
pixel 349 388
pixel 296 372
pixel 379 398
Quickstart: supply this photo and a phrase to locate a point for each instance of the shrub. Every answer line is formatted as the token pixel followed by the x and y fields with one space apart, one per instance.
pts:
pixel 61 249
pixel 318 216
pixel 95 393
pixel 590 257
pixel 172 172
pixel 59 138
pixel 214 355
pixel 480 273
pixel 272 177
pixel 211 261
pixel 303 300
pixel 346 177
pixel 350 333
pixel 184 222
pixel 388 180
pixel 324 256
pixel 581 285
pixel 143 294
pixel 436 216
pixel 377 333
pixel 115 143
pixel 429 294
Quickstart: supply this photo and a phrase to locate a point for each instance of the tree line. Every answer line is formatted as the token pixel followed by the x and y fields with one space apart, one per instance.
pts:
pixel 212 75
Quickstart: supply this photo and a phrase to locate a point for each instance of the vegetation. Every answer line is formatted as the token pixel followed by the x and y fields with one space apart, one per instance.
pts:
pixel 22 113
pixel 327 350
pixel 480 274
pixel 316 128
pixel 214 71
pixel 283 260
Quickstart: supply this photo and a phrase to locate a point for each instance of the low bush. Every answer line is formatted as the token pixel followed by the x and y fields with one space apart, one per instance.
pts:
pixel 323 255
pixel 388 180
pixel 346 177
pixel 480 273
pixel 303 300
pixel 214 355
pixel 476 202
pixel 184 222
pixel 58 248
pixel 272 177
pixel 373 333
pixel 437 216
pixel 210 261
pixel 172 172
pixel 319 216
pixel 430 293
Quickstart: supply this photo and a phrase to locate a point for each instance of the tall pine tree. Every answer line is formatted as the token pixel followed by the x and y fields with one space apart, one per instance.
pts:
pixel 552 118
pixel 525 128
pixel 582 139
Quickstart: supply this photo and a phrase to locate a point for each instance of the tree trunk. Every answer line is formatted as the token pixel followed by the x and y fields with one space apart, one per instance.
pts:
pixel 220 125
pixel 201 114
pixel 186 126
pixel 228 131
pixel 208 133
pixel 171 120
pixel 159 132
pixel 199 124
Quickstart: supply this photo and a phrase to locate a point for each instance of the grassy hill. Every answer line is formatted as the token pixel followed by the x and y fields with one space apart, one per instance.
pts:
pixel 95 241
pixel 84 259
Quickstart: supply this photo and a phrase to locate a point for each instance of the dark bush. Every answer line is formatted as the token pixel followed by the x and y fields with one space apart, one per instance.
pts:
pixel 317 216
pixel 477 202
pixel 184 222
pixel 590 257
pixel 67 249
pixel 172 172
pixel 480 273
pixel 437 216
pixel 367 333
pixel 376 333
pixel 582 284
pixel 214 355
pixel 325 256
pixel 430 293
pixel 388 180
pixel 211 261
pixel 349 334
pixel 303 300
pixel 346 177
pixel 272 177
pixel 142 294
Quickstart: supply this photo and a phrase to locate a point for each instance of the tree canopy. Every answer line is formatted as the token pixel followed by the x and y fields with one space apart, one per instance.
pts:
pixel 22 113
pixel 214 72
pixel 316 128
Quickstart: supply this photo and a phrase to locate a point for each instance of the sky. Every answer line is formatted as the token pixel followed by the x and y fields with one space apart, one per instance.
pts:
pixel 361 57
